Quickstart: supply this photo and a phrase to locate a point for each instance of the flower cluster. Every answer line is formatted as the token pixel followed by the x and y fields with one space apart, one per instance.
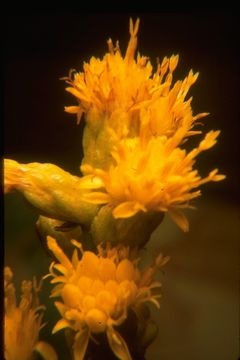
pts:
pixel 125 94
pixel 96 292
pixel 155 177
pixel 23 323
pixel 146 120
pixel 135 168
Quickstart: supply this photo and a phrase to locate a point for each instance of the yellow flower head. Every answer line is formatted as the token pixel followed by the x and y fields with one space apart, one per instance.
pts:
pixel 97 291
pixel 157 176
pixel 124 93
pixel 147 120
pixel 22 323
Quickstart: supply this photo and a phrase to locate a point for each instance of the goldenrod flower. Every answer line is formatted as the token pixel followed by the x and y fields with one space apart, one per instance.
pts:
pixel 22 323
pixel 158 176
pixel 136 124
pixel 122 97
pixel 116 89
pixel 144 120
pixel 97 291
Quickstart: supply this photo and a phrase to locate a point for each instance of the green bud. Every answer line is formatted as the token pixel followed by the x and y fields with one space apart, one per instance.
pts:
pixel 52 191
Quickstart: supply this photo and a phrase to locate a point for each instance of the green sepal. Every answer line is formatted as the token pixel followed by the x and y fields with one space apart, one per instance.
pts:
pixel 134 231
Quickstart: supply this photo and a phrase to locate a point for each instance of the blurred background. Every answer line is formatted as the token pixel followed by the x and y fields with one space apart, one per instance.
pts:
pixel 199 316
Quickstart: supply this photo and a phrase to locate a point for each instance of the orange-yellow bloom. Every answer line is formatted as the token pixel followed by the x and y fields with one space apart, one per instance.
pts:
pixel 117 91
pixel 157 176
pixel 146 119
pixel 22 323
pixel 97 291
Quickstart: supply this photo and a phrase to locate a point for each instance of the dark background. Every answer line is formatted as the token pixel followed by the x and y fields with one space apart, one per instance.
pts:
pixel 41 48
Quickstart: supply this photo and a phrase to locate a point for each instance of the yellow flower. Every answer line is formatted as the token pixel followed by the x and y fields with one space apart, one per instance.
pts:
pixel 157 176
pixel 22 323
pixel 138 121
pixel 122 97
pixel 97 291
pixel 117 92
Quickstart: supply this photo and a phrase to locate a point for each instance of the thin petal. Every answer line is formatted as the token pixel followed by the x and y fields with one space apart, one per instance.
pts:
pixel 91 182
pixel 80 344
pixel 126 209
pixel 78 95
pixel 61 268
pixel 75 259
pixel 97 197
pixel 58 279
pixel 56 291
pixel 57 251
pixel 118 345
pixel 180 219
pixel 75 110
pixel 72 109
pixel 61 307
pixel 45 350
pixel 209 140
pixel 61 324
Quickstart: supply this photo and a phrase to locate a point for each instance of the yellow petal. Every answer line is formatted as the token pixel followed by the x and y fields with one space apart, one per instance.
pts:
pixel 90 182
pixel 105 301
pixel 85 284
pixel 97 197
pixel 173 62
pixel 60 268
pixel 90 264
pixel 127 290
pixel 72 109
pixel 180 219
pixel 46 350
pixel 126 209
pixel 209 140
pixel 58 279
pixel 56 291
pixel 61 324
pixel 118 345
pixel 78 95
pixel 75 259
pixel 89 302
pixel 97 286
pixel 107 270
pixel 219 177
pixel 57 251
pixel 111 286
pixel 72 295
pixel 80 344
pixel 125 271
pixel 61 307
